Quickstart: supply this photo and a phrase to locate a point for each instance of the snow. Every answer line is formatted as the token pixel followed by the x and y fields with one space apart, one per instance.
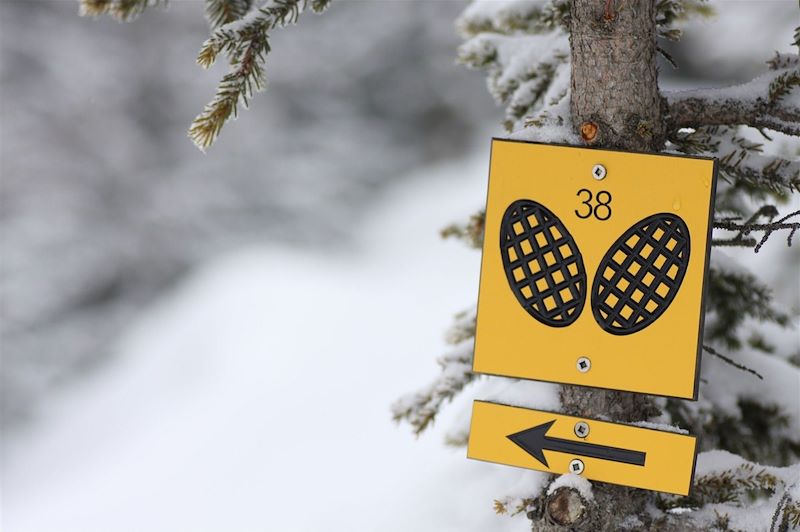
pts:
pixel 719 461
pixel 660 426
pixel 255 396
pixel 519 56
pixel 725 384
pixel 631 522
pixel 750 92
pixel 524 393
pixel 573 481
pixel 497 13
pixel 128 204
pixel 754 516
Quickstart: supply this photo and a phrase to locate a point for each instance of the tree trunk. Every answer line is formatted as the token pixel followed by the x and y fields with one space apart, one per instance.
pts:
pixel 615 104
pixel 614 75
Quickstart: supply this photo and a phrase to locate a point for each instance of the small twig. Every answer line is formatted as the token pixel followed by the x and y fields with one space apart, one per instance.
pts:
pixel 714 352
pixel 666 55
pixel 744 229
pixel 734 242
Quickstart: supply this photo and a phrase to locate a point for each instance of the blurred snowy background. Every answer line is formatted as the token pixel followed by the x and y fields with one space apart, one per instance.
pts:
pixel 211 342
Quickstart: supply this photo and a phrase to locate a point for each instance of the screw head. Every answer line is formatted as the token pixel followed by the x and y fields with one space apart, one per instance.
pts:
pixel 576 466
pixel 583 364
pixel 581 429
pixel 599 172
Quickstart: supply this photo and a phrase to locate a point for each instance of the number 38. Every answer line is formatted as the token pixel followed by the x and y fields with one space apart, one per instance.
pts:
pixel 602 207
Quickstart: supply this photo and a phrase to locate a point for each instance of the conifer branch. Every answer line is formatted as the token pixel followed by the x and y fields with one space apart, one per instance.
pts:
pixel 711 351
pixel 524 72
pixel 221 12
pixel 761 103
pixel 245 42
pixel 504 19
pixel 741 160
pixel 470 232
pixel 420 409
pixel 744 229
pixel 734 297
pixel 121 10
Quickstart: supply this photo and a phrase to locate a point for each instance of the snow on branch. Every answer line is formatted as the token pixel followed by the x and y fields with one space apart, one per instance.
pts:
pixel 420 409
pixel 725 483
pixel 734 297
pixel 741 160
pixel 512 16
pixel 245 42
pixel 743 230
pixel 771 101
pixel 551 123
pixel 524 72
pixel 221 12
pixel 121 10
pixel 470 232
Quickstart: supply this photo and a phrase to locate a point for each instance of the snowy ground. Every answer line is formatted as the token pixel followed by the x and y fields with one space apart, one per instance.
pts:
pixel 255 396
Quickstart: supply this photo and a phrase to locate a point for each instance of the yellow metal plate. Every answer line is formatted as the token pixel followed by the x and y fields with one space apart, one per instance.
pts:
pixel 609 269
pixel 620 454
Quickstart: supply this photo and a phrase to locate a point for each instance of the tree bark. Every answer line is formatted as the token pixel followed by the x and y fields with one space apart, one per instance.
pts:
pixel 719 108
pixel 614 76
pixel 615 103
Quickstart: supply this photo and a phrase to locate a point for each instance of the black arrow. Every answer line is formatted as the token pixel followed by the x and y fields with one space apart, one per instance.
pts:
pixel 535 441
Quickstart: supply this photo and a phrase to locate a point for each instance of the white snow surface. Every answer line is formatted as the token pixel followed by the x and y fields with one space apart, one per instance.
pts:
pixel 719 461
pixel 497 13
pixel 753 517
pixel 749 92
pixel 256 396
pixel 576 482
pixel 660 426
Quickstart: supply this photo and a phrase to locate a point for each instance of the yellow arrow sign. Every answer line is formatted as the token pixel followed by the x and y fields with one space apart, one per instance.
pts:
pixel 609 452
pixel 593 268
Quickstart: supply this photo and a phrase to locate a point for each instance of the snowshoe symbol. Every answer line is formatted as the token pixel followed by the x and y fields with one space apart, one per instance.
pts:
pixel 636 281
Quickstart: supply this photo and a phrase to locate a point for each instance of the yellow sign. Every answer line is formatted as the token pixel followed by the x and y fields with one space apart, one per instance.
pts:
pixel 609 452
pixel 593 269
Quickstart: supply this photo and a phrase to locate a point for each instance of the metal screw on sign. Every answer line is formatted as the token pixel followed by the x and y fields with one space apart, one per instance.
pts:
pixel 599 172
pixel 583 364
pixel 576 466
pixel 581 429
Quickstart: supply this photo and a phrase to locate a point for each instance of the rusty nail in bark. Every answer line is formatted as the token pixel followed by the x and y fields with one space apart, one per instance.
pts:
pixel 589 132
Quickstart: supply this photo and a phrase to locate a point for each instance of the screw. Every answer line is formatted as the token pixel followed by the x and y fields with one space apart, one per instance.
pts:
pixel 581 429
pixel 576 466
pixel 584 364
pixel 599 172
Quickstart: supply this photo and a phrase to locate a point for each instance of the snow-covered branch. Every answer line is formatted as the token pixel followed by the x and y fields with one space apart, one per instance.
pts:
pixel 221 12
pixel 723 484
pixel 121 10
pixel 246 44
pixel 744 229
pixel 512 16
pixel 740 160
pixel 771 101
pixel 419 409
pixel 525 72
